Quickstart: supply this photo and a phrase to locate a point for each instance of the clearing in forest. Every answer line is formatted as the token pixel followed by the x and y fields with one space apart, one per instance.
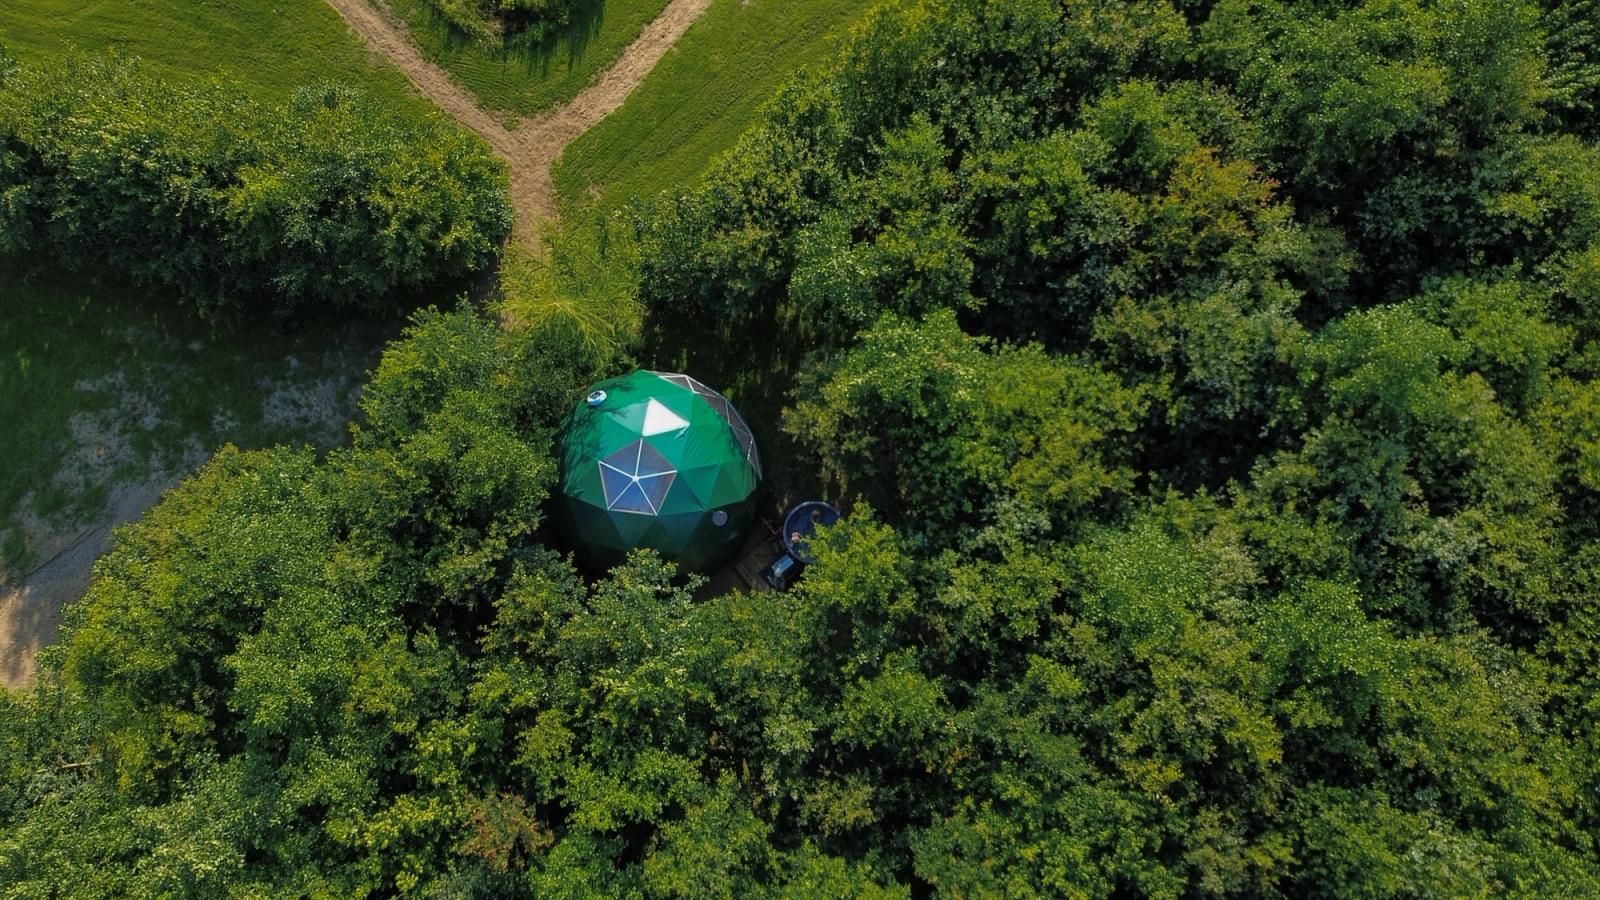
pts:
pixel 111 398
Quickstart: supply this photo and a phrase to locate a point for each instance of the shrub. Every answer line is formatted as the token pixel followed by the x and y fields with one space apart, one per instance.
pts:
pixel 227 202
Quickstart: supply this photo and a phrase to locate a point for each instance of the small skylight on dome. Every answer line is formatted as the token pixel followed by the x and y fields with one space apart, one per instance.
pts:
pixel 660 420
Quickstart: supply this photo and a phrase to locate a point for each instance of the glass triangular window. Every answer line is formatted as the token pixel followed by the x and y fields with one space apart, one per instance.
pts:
pixel 655 489
pixel 614 482
pixel 636 479
pixel 632 500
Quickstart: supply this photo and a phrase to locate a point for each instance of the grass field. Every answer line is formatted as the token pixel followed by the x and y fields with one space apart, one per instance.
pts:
pixel 268 47
pixel 700 98
pixel 102 385
pixel 524 77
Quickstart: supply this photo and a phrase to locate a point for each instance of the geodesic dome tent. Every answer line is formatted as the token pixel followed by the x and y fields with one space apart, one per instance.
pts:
pixel 655 459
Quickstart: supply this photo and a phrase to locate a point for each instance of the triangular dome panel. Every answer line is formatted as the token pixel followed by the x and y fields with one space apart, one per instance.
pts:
pixel 660 420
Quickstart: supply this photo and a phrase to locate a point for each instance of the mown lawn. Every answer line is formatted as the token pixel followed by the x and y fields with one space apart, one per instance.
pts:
pixel 522 77
pixel 700 98
pixel 102 384
pixel 268 47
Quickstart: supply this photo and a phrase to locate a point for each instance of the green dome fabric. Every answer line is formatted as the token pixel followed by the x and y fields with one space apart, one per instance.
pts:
pixel 664 462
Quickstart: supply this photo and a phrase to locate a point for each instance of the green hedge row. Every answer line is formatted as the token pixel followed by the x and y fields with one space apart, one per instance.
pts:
pixel 231 203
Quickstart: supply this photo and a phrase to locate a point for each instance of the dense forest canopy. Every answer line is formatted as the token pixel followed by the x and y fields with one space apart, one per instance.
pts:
pixel 1213 388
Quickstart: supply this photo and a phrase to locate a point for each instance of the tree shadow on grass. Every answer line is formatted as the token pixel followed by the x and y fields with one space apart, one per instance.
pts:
pixel 538 54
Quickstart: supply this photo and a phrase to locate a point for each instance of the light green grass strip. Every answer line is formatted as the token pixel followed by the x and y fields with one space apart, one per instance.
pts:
pixel 266 47
pixel 522 78
pixel 701 97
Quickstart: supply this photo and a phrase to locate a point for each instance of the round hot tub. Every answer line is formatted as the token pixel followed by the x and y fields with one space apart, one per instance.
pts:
pixel 801 523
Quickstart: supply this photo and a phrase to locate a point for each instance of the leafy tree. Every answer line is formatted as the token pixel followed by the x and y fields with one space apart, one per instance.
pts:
pixel 1013 426
pixel 1393 119
pixel 15 229
pixel 488 19
pixel 1443 492
pixel 149 640
pixel 1571 38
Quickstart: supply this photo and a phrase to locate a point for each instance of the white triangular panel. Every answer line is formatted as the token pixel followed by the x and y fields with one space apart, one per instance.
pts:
pixel 660 420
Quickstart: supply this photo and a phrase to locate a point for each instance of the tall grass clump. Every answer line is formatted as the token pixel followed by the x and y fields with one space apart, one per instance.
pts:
pixel 583 289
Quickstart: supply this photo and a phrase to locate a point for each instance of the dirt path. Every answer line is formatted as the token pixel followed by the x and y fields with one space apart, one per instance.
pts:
pixel 531 148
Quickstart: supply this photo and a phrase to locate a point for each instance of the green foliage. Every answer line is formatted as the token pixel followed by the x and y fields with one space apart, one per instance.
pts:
pixel 1014 433
pixel 580 291
pixel 224 202
pixel 1393 119
pixel 159 630
pixel 1398 480
pixel 1443 495
pixel 444 484
pixel 1572 40
pixel 1212 387
pixel 486 19
pixel 1127 225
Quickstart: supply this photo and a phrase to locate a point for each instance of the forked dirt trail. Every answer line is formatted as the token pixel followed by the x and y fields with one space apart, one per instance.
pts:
pixel 532 147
